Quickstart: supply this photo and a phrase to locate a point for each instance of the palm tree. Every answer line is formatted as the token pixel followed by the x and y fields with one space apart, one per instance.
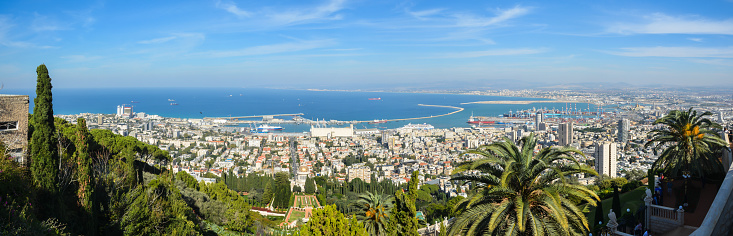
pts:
pixel 517 192
pixel 374 212
pixel 688 142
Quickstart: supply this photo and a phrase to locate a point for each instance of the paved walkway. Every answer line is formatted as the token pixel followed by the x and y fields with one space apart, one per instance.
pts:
pixel 707 196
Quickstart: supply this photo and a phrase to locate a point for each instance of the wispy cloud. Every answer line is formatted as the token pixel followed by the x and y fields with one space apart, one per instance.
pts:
pixel 5 37
pixel 46 23
pixel 157 40
pixel 424 13
pixel 494 52
pixel 717 62
pixel 309 14
pixel 300 15
pixel 699 40
pixel 270 49
pixel 659 23
pixel 726 52
pixel 469 20
pixel 193 36
pixel 80 58
pixel 232 8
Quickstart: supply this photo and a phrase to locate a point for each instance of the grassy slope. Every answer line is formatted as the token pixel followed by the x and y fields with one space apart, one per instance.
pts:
pixel 631 200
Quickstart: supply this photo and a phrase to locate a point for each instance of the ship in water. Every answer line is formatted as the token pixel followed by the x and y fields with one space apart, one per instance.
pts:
pixel 378 122
pixel 171 100
pixel 134 102
pixel 267 128
pixel 174 104
pixel 422 126
pixel 375 99
pixel 479 121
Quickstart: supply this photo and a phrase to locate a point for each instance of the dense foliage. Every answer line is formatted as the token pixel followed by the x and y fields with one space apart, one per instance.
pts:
pixel 44 152
pixel 688 143
pixel 100 183
pixel 328 221
pixel 403 218
pixel 515 191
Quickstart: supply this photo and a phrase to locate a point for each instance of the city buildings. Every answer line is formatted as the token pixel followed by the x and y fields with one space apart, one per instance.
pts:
pixel 623 131
pixel 124 110
pixel 606 160
pixel 565 133
pixel 361 172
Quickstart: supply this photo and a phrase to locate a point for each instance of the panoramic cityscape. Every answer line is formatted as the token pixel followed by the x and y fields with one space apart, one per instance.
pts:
pixel 342 117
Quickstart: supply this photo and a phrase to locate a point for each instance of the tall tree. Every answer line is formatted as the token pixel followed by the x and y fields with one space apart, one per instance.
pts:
pixel 328 221
pixel 688 142
pixel 517 192
pixel 374 212
pixel 616 204
pixel 85 174
pixel 44 149
pixel 310 186
pixel 403 216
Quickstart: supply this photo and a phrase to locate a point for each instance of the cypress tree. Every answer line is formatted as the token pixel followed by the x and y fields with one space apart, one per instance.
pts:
pixel 44 149
pixel 84 166
pixel 404 220
pixel 85 174
pixel 616 205
pixel 598 217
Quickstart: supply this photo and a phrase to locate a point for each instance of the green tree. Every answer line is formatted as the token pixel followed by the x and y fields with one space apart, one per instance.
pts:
pixel 616 204
pixel 85 174
pixel 688 142
pixel 310 186
pixel 515 191
pixel 403 220
pixel 282 190
pixel 374 212
pixel 328 221
pixel 44 149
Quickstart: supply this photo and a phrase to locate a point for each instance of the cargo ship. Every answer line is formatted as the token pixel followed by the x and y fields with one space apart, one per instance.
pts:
pixel 375 99
pixel 378 121
pixel 478 121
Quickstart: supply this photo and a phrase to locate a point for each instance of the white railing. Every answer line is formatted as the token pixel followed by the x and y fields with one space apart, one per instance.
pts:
pixel 664 212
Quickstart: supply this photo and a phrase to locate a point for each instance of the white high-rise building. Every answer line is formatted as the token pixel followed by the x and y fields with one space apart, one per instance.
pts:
pixel 606 159
pixel 623 130
pixel 565 133
pixel 537 120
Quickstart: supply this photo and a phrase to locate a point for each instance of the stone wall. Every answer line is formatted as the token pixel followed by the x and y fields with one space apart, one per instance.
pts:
pixel 14 108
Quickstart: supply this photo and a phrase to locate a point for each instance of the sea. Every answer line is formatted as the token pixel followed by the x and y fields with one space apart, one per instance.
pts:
pixel 315 105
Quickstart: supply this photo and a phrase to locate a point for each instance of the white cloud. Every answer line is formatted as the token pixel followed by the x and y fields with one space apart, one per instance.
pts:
pixel 675 52
pixel 467 20
pixel 5 26
pixel 304 15
pixel 232 8
pixel 177 36
pixel 81 58
pixel 717 62
pixel 699 40
pixel 659 23
pixel 270 49
pixel 425 13
pixel 495 52
pixel 157 40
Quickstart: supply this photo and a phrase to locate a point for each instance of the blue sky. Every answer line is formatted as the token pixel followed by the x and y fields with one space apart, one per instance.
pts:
pixel 359 43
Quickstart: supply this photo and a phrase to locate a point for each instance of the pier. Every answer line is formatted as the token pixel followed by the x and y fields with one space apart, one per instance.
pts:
pixel 297 119
pixel 236 118
pixel 458 109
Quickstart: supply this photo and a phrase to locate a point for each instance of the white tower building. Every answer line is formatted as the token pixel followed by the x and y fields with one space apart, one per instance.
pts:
pixel 606 159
